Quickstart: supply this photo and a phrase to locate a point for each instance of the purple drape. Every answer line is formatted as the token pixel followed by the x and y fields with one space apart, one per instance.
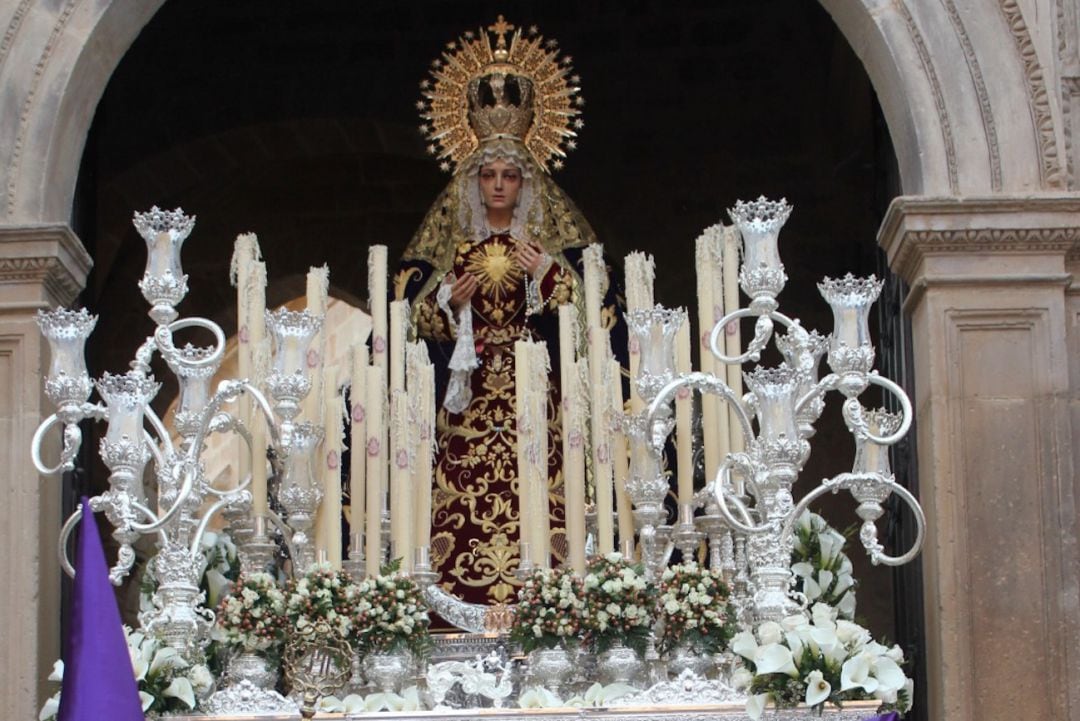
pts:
pixel 98 679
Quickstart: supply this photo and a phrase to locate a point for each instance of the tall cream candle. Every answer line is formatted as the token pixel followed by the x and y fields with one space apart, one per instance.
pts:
pixel 245 254
pixel 330 508
pixel 423 472
pixel 640 274
pixel 574 464
pixel 732 335
pixel 399 327
pixel 709 421
pixel 318 284
pixel 400 480
pixel 260 355
pixel 358 358
pixel 375 452
pixel 539 370
pixel 526 523
pixel 684 438
pixel 599 346
pixel 380 343
pixel 620 461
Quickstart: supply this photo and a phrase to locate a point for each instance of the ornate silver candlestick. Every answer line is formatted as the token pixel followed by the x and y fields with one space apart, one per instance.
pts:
pixel 753 489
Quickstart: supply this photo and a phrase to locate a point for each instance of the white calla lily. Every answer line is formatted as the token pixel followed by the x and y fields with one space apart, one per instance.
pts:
pixel 410 699
pixel 330 704
pixel 50 709
pixel 744 644
pixel 379 701
pixel 146 699
pixel 353 704
pixel 855 673
pixel 803 569
pixel 847 605
pixel 775 658
pixel 888 674
pixel 817 688
pixel 755 705
pixel 181 688
pixel 166 657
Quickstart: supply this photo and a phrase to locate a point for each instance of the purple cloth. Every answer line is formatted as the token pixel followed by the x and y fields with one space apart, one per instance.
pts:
pixel 98 679
pixel 891 716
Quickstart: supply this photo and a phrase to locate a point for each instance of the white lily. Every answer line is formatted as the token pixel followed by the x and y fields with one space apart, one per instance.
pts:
pixel 181 688
pixel 51 708
pixel 381 701
pixel 353 704
pixel 744 644
pixel 817 688
pixel 218 586
pixel 410 699
pixel 831 544
pixel 888 674
pixel 846 607
pixel 855 673
pixel 146 699
pixel 330 704
pixel 775 658
pixel 755 705
pixel 166 657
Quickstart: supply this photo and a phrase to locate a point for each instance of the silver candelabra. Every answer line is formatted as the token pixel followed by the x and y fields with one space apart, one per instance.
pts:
pixel 749 508
pixel 186 501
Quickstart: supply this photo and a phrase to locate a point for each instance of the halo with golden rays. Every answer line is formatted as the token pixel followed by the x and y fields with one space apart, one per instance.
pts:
pixel 444 105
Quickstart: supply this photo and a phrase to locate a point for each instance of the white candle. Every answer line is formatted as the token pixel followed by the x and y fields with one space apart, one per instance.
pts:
pixel 358 433
pixel 330 508
pixel 521 410
pixel 399 327
pixel 377 303
pixel 400 480
pixel 599 346
pixel 714 417
pixel 640 273
pixel 732 336
pixel 245 254
pixel 684 449
pixel 260 354
pixel 539 370
pixel 621 464
pixel 425 451
pixel 375 452
pixel 574 464
pixel 318 284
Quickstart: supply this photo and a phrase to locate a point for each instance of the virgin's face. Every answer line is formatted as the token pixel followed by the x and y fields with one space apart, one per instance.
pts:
pixel 500 184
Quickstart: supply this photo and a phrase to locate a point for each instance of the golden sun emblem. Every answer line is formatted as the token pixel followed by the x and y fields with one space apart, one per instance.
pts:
pixel 495 270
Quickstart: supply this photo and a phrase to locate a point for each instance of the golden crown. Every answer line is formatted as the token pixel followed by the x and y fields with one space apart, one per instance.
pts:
pixel 519 89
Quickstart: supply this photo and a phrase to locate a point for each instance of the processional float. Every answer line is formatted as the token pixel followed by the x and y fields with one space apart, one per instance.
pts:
pixel 741 517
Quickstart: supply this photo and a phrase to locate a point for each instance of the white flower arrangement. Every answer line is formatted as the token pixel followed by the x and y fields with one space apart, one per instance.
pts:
pixel 694 609
pixel 549 609
pixel 618 604
pixel 322 603
pixel 252 616
pixel 390 615
pixel 167 682
pixel 822 569
pixel 818 659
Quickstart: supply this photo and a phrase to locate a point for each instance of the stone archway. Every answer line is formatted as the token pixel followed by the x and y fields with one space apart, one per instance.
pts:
pixel 973 106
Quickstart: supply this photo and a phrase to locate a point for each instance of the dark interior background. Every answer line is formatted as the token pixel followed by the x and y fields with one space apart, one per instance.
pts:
pixel 297 121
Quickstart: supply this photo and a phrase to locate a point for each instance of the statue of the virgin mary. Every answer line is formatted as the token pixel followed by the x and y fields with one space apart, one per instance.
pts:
pixel 493 259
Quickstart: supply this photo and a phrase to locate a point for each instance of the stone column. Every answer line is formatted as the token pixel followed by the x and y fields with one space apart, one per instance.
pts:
pixel 41 266
pixel 989 315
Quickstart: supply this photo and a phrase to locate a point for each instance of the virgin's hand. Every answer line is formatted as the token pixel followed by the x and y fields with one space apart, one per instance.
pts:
pixel 462 291
pixel 529 256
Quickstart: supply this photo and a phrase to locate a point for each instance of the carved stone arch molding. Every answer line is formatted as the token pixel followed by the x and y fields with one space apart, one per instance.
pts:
pixel 965 87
